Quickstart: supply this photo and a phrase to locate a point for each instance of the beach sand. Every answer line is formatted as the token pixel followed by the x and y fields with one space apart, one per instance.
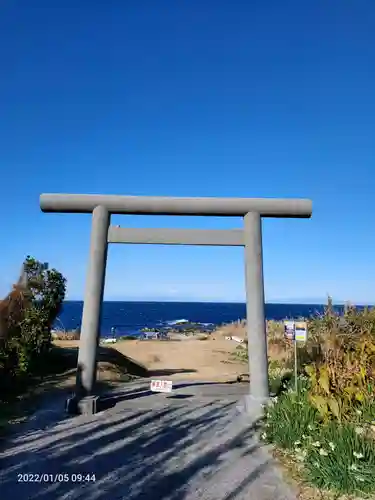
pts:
pixel 211 360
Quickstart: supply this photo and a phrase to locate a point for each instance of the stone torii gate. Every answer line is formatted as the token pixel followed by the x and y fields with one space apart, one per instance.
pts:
pixel 250 237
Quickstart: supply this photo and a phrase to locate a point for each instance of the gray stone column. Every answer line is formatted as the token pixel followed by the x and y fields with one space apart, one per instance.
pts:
pixel 90 329
pixel 256 326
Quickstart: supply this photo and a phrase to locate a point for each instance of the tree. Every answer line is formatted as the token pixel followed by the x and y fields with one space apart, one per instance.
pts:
pixel 27 316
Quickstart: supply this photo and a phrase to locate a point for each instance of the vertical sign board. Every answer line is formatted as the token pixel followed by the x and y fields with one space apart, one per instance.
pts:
pixel 301 331
pixel 289 330
pixel 296 331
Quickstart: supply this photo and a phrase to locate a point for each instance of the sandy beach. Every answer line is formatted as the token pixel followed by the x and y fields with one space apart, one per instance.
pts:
pixel 211 359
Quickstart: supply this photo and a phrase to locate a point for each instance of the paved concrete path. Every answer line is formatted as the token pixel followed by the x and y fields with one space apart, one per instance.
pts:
pixel 195 445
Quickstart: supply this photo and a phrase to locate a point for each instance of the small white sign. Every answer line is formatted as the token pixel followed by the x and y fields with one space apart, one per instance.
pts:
pixel 158 385
pixel 301 331
pixel 289 330
pixel 109 340
pixel 237 339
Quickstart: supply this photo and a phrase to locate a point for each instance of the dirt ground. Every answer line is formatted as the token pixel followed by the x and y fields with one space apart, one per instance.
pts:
pixel 211 360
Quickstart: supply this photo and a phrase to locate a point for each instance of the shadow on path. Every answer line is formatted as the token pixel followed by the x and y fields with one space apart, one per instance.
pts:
pixel 183 451
pixel 169 371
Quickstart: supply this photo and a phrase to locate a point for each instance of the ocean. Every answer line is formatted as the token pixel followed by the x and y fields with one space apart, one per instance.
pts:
pixel 130 317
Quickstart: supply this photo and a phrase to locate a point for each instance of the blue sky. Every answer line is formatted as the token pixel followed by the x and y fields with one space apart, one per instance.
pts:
pixel 192 98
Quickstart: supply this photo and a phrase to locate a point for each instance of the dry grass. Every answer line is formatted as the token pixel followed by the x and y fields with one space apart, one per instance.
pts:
pixel 280 350
pixel 237 328
pixel 62 335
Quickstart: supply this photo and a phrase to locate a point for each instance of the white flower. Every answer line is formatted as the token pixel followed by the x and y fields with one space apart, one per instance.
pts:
pixel 267 424
pixel 358 412
pixel 358 455
pixel 323 452
pixel 296 443
pixel 353 467
pixel 301 455
pixel 264 435
pixel 359 430
pixel 360 479
pixel 310 427
pixel 332 446
pixel 316 444
pixel 304 436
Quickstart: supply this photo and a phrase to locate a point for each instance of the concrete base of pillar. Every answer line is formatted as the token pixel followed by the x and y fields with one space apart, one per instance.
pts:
pixel 89 405
pixel 253 407
pixel 85 406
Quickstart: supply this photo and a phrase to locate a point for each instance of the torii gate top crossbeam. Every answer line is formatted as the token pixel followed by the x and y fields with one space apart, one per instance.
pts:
pixel 153 205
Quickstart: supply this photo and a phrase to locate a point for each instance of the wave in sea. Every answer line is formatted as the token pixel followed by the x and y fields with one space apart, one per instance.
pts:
pixel 129 318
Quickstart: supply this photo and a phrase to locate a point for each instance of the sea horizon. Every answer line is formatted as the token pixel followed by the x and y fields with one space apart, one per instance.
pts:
pixel 306 302
pixel 130 317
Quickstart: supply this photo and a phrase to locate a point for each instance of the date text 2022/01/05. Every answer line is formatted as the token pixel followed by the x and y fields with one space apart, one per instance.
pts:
pixel 56 478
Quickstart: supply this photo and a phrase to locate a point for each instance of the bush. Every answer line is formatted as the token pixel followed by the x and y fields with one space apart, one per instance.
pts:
pixel 290 417
pixel 329 424
pixel 342 375
pixel 28 314
pixel 335 457
pixel 342 460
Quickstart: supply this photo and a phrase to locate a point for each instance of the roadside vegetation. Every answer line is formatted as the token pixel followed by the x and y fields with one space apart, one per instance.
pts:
pixel 27 314
pixel 325 431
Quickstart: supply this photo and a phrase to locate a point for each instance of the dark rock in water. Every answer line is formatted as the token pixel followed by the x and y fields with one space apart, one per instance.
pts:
pixel 185 327
pixel 192 327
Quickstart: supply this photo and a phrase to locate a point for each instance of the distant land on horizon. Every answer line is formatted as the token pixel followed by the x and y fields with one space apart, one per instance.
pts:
pixel 309 302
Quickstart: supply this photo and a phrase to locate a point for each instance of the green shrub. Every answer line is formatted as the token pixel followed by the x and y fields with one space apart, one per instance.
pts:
pixel 339 457
pixel 289 418
pixel 343 459
pixel 29 311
